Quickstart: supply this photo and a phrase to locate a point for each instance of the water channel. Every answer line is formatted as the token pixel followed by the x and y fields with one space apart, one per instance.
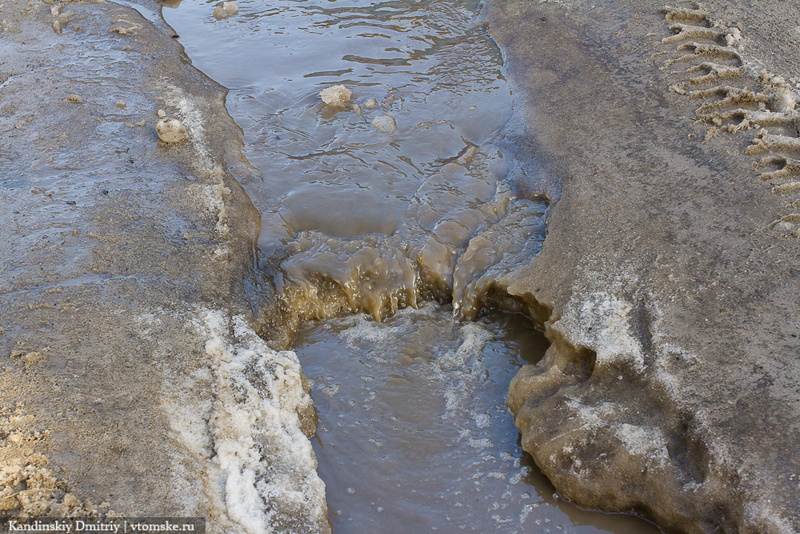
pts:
pixel 403 203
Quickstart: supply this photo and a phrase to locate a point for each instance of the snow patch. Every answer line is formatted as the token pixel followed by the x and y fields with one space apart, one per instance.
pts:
pixel 240 419
pixel 603 322
pixel 645 442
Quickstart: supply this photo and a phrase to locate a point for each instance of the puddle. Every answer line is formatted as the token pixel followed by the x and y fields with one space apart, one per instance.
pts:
pixel 378 208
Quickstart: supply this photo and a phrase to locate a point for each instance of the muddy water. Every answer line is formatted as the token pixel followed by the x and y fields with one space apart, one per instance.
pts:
pixel 414 435
pixel 398 197
pixel 384 196
pixel 426 64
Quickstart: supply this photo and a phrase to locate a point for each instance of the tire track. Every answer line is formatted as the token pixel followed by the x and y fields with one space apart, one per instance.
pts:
pixel 738 96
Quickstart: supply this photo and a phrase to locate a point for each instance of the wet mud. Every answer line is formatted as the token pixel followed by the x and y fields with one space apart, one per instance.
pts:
pixel 668 275
pixel 738 96
pixel 144 274
pixel 361 215
pixel 124 263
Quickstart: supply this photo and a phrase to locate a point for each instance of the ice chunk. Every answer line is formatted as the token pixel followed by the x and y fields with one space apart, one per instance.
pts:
pixel 171 130
pixel 384 123
pixel 336 95
pixel 225 10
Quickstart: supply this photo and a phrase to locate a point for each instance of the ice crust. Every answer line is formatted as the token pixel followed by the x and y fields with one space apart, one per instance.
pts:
pixel 336 95
pixel 449 248
pixel 225 10
pixel 240 419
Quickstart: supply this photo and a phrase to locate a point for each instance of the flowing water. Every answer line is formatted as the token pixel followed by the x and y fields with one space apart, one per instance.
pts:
pixel 414 435
pixel 384 196
pixel 402 195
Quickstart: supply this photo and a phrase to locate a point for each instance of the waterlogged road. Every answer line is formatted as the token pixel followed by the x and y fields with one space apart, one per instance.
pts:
pixel 361 218
pixel 345 197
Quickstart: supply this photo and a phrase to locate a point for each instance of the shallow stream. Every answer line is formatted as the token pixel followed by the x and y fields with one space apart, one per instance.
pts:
pixel 400 197
pixel 414 435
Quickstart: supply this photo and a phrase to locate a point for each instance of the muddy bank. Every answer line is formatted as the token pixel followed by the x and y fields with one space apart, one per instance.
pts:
pixel 668 282
pixel 133 380
pixel 128 359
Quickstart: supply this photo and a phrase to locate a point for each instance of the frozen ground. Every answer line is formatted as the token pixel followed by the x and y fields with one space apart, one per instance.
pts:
pixel 668 282
pixel 132 382
pixel 669 279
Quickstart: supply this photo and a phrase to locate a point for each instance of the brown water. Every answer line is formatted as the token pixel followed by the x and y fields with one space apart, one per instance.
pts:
pixel 413 432
pixel 414 435
pixel 340 197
